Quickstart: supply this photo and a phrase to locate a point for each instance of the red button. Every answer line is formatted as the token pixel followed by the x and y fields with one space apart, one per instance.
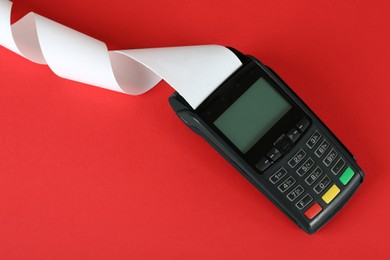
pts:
pixel 313 211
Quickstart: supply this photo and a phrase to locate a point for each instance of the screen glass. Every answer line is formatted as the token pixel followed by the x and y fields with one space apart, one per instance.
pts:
pixel 252 115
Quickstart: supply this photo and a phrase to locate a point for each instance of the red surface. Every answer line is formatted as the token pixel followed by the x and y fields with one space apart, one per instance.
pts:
pixel 90 174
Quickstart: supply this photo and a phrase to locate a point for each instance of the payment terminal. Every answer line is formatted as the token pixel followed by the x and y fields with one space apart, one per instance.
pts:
pixel 261 127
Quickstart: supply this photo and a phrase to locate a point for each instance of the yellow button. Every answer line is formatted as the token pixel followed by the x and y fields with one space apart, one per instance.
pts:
pixel 331 194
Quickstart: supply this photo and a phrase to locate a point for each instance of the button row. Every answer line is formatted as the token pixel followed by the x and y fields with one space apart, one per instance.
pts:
pixel 316 208
pixel 324 146
pixel 287 184
pixel 282 145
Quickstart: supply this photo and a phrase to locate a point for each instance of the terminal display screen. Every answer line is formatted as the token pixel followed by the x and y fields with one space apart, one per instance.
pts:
pixel 252 115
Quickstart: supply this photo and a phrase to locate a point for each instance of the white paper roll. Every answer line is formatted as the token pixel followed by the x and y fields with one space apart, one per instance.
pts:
pixel 193 71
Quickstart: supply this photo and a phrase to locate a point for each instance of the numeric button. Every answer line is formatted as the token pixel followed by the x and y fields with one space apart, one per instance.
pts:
pixel 332 155
pixel 322 148
pixel 314 175
pixel 286 184
pixel 295 193
pixel 313 140
pixel 305 167
pixel 322 185
pixel 277 176
pixel 297 158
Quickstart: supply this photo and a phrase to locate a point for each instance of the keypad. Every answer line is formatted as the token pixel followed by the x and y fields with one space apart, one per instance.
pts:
pixel 310 180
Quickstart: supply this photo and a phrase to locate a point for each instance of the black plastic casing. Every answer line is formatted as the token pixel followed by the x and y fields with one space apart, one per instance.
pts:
pixel 261 180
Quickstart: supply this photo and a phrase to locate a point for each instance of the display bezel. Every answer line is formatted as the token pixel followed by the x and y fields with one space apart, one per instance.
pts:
pixel 231 90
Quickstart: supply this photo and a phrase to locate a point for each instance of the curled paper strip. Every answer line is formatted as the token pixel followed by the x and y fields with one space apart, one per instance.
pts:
pixel 193 71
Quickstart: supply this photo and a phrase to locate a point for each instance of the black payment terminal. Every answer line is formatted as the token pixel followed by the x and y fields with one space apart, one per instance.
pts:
pixel 258 124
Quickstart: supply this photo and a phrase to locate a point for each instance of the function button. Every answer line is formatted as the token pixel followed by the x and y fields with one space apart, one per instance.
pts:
pixel 314 175
pixel 338 166
pixel 274 154
pixel 263 164
pixel 277 176
pixel 305 167
pixel 283 143
pixel 322 185
pixel 314 138
pixel 304 202
pixel 303 124
pixel 331 194
pixel 286 184
pixel 322 148
pixel 346 176
pixel 293 134
pixel 297 158
pixel 295 193
pixel 313 211
pixel 330 157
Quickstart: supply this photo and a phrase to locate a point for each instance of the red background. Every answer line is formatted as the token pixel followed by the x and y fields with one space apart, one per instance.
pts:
pixel 87 173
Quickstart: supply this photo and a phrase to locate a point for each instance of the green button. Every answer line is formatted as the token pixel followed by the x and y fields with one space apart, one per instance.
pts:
pixel 347 176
